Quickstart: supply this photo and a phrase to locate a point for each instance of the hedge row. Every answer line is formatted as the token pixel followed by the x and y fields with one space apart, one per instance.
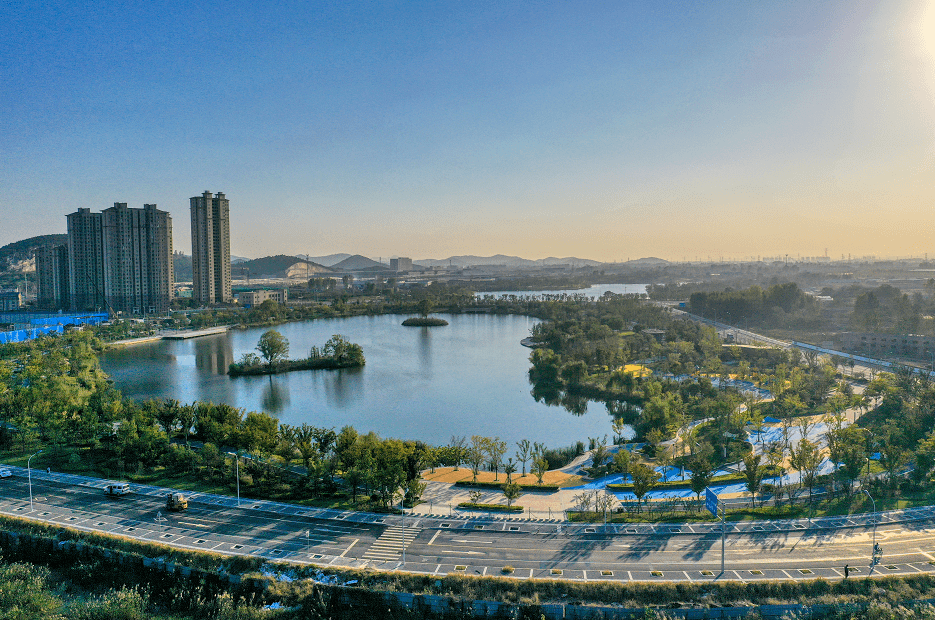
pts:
pixel 499 485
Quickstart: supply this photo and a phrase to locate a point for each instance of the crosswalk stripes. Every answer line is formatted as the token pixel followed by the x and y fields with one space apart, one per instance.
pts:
pixel 389 546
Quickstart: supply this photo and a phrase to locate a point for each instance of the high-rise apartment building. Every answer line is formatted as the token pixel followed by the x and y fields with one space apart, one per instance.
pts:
pixel 211 248
pixel 52 273
pixel 138 273
pixel 120 260
pixel 403 263
pixel 85 261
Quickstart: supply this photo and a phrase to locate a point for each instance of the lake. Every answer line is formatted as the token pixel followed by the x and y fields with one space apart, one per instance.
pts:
pixel 469 378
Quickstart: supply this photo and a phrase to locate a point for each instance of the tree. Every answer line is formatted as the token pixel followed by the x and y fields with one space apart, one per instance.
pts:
pixel 475 453
pixel 645 479
pixel 168 416
pixel 622 460
pixel 457 444
pixel 509 469
pixel 701 473
pixel 414 490
pixel 496 448
pixel 540 465
pixel 187 416
pixel 523 453
pixel 304 437
pixel 604 501
pixel 599 454
pixel 273 346
pixel 342 351
pixel 511 491
pixel 806 458
pixel 425 307
pixel 574 373
pixel 753 474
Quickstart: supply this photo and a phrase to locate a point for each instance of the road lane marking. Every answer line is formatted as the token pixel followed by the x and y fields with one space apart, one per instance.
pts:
pixel 475 541
pixel 435 536
pixel 461 552
pixel 343 553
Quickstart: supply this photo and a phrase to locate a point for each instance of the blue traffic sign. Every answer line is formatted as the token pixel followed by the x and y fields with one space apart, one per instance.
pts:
pixel 710 501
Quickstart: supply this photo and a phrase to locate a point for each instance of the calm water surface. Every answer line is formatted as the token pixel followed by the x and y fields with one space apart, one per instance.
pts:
pixel 419 383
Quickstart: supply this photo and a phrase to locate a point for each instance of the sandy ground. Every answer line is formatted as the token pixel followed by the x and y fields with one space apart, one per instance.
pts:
pixel 448 474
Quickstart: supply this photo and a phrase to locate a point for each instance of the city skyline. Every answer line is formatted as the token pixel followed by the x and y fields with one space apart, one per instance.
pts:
pixel 603 132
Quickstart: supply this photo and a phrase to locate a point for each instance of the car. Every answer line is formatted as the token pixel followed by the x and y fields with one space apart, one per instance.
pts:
pixel 117 489
pixel 5 472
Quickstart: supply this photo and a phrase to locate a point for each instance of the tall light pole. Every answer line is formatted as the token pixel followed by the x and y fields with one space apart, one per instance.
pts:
pixel 29 474
pixel 402 510
pixel 237 470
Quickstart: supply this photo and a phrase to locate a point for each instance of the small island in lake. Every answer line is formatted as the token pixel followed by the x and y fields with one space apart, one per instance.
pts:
pixel 424 308
pixel 274 349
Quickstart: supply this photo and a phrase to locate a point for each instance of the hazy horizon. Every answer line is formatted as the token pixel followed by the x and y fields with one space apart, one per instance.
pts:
pixel 591 130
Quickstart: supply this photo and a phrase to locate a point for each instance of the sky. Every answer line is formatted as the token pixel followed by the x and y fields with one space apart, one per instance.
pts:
pixel 601 130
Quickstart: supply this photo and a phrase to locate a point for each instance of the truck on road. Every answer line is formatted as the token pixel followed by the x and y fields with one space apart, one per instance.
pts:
pixel 176 502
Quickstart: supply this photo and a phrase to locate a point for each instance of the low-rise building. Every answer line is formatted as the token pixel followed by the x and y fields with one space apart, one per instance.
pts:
pixel 249 299
pixel 10 300
pixel 875 344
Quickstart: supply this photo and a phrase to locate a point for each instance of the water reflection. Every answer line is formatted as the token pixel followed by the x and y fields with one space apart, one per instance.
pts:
pixel 343 387
pixel 548 394
pixel 575 403
pixel 275 397
pixel 425 350
pixel 213 355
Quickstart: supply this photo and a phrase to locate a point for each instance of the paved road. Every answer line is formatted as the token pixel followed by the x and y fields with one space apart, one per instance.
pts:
pixel 442 545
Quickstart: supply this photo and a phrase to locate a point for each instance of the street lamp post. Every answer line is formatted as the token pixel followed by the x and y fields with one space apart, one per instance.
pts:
pixel 237 474
pixel 402 509
pixel 874 548
pixel 29 474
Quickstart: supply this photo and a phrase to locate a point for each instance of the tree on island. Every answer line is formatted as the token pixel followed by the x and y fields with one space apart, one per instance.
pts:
pixel 273 346
pixel 344 352
pixel 425 307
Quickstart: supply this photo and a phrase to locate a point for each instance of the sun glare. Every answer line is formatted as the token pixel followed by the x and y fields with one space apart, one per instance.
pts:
pixel 927 29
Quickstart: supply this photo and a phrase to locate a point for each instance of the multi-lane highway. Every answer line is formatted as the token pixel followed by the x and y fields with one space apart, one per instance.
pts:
pixel 441 545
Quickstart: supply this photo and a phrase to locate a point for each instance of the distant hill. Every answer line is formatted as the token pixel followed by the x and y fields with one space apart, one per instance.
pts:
pixel 509 261
pixel 18 256
pixel 651 260
pixel 328 261
pixel 280 266
pixel 358 263
pixel 182 267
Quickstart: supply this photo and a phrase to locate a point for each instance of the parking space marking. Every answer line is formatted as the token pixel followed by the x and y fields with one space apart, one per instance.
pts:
pixel 354 542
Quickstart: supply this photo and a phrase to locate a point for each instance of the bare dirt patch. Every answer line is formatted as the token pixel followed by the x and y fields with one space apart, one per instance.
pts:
pixel 448 474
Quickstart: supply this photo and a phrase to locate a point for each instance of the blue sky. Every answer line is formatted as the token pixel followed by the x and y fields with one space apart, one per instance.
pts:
pixel 604 130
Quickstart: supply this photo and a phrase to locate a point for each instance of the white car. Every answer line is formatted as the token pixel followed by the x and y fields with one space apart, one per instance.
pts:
pixel 5 473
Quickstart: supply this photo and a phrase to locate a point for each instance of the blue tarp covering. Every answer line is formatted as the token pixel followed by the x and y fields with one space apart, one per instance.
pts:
pixel 45 324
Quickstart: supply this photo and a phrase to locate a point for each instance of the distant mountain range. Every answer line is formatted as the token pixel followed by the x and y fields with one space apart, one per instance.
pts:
pixel 280 266
pixel 359 263
pixel 502 259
